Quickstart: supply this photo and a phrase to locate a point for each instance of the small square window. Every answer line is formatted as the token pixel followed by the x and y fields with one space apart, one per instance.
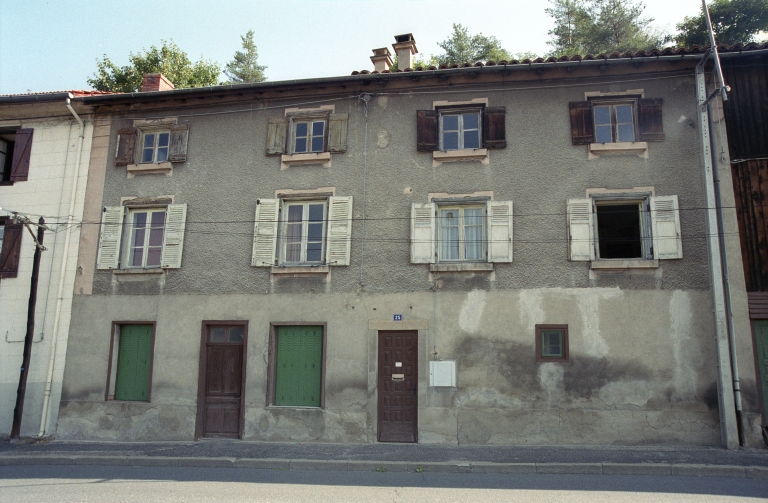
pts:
pixel 552 343
pixel 155 147
pixel 460 129
pixel 614 122
pixel 461 233
pixel 308 136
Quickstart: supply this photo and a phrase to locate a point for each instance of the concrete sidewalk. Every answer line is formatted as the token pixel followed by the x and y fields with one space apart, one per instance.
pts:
pixel 608 460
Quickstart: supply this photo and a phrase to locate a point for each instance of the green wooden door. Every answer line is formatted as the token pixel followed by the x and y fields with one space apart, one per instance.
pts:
pixel 761 340
pixel 299 366
pixel 134 362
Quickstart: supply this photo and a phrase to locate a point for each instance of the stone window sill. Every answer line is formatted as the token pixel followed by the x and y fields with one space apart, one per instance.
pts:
pixel 640 148
pixel 323 158
pixel 154 270
pixel 624 264
pixel 471 154
pixel 463 267
pixel 164 168
pixel 300 270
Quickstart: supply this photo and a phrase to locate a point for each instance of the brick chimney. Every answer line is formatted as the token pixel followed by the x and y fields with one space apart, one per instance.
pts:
pixel 381 59
pixel 405 47
pixel 155 82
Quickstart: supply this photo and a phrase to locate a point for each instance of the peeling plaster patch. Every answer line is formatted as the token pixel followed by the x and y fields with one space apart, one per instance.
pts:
pixel 408 190
pixel 626 393
pixel 682 119
pixel 683 346
pixel 551 380
pixel 531 310
pixel 383 138
pixel 472 311
pixel 589 307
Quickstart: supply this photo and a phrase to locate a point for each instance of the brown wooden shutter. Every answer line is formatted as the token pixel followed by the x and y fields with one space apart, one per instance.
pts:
pixel 582 125
pixel 337 133
pixel 649 119
pixel 9 257
pixel 277 130
pixel 21 153
pixel 178 150
pixel 494 135
pixel 427 137
pixel 126 139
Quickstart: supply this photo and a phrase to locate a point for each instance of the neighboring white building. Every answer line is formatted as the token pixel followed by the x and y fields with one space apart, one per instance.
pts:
pixel 44 155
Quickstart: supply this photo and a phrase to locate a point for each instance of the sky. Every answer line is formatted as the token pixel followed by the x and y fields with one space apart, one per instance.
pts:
pixel 54 45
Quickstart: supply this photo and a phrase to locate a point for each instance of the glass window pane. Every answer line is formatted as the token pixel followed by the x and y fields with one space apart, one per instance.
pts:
pixel 472 139
pixel 552 343
pixel 149 140
pixel 162 154
pixel 236 334
pixel 315 232
pixel 603 134
pixel 293 252
pixel 602 115
pixel 623 113
pixel 318 128
pixel 295 212
pixel 158 218
pixel 471 121
pixel 626 132
pixel 316 212
pixel 293 232
pixel 154 256
pixel 450 122
pixel 218 334
pixel 146 156
pixel 162 139
pixel 317 144
pixel 301 145
pixel 314 252
pixel 451 141
pixel 137 255
pixel 449 234
pixel 301 129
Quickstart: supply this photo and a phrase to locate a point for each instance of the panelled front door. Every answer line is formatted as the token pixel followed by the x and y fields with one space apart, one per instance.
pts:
pixel 397 384
pixel 222 367
pixel 761 347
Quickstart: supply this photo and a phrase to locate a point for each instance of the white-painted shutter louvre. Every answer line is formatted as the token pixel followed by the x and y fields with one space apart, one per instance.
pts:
pixel 339 230
pixel 665 217
pixel 423 233
pixel 265 233
pixel 499 231
pixel 580 230
pixel 173 237
pixel 109 240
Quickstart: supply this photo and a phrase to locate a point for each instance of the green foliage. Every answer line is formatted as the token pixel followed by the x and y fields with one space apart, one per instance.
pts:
pixel 461 48
pixel 733 21
pixel 168 60
pixel 419 469
pixel 600 26
pixel 245 67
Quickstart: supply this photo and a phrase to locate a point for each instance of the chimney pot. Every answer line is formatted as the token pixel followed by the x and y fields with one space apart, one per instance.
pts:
pixel 155 82
pixel 381 59
pixel 405 47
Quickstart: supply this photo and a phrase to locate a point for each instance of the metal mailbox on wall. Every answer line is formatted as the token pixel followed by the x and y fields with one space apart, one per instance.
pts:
pixel 442 373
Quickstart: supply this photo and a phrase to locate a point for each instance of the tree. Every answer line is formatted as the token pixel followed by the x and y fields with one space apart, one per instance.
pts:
pixel 461 48
pixel 597 26
pixel 733 21
pixel 168 60
pixel 244 67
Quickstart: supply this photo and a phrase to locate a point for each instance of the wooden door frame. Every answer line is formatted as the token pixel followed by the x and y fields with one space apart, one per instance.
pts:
pixel 274 326
pixel 203 372
pixel 417 333
pixel 115 325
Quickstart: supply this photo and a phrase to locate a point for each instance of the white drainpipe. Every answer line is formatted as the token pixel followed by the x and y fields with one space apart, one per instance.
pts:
pixel 60 293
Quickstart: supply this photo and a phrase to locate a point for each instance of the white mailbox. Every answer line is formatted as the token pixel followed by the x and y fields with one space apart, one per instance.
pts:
pixel 442 373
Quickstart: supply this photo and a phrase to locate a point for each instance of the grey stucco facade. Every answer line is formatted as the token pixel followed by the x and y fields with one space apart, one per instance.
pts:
pixel 642 366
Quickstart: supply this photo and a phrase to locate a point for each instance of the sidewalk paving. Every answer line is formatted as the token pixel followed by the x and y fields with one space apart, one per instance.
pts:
pixel 221 453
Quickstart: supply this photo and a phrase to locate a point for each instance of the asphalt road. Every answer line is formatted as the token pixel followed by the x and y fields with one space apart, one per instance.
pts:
pixel 106 484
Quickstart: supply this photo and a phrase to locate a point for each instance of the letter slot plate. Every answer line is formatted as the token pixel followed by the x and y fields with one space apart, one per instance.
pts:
pixel 398 377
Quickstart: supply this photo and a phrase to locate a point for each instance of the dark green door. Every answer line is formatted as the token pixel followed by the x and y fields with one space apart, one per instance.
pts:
pixel 761 341
pixel 134 363
pixel 298 378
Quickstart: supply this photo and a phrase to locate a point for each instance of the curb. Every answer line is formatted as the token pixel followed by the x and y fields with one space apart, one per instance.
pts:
pixel 681 470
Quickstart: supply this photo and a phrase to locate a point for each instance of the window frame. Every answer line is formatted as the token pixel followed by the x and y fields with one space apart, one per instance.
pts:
pixel 128 236
pixel 440 240
pixel 294 119
pixel 614 124
pixel 272 362
pixel 157 132
pixel 540 357
pixel 282 243
pixel 114 356
pixel 459 112
pixel 16 163
pixel 645 225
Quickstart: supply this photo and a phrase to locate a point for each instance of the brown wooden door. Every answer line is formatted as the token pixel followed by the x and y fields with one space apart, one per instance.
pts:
pixel 223 372
pixel 398 383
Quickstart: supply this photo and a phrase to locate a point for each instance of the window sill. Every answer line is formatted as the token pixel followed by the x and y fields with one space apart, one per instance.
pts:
pixel 640 148
pixel 625 264
pixel 165 168
pixel 471 154
pixel 138 271
pixel 323 158
pixel 463 267
pixel 300 270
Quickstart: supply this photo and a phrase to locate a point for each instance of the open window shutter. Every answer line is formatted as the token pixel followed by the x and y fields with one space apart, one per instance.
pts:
pixel 499 231
pixel 494 135
pixel 649 119
pixel 126 140
pixel 337 132
pixel 427 137
pixel 9 257
pixel 173 238
pixel 111 234
pixel 276 132
pixel 339 230
pixel 178 150
pixel 265 233
pixel 580 230
pixel 582 125
pixel 21 155
pixel 423 233
pixel 666 228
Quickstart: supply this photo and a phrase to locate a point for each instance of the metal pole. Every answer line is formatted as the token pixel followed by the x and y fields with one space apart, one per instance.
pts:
pixel 17 412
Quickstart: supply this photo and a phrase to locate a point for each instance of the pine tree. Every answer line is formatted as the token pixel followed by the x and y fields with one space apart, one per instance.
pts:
pixel 245 67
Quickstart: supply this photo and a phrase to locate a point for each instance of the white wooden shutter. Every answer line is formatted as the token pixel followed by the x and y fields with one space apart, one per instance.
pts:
pixel 265 233
pixel 665 218
pixel 580 230
pixel 109 241
pixel 499 231
pixel 423 233
pixel 173 238
pixel 339 235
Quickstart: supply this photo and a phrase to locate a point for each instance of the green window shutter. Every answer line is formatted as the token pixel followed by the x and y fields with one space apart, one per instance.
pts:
pixel 299 366
pixel 134 362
